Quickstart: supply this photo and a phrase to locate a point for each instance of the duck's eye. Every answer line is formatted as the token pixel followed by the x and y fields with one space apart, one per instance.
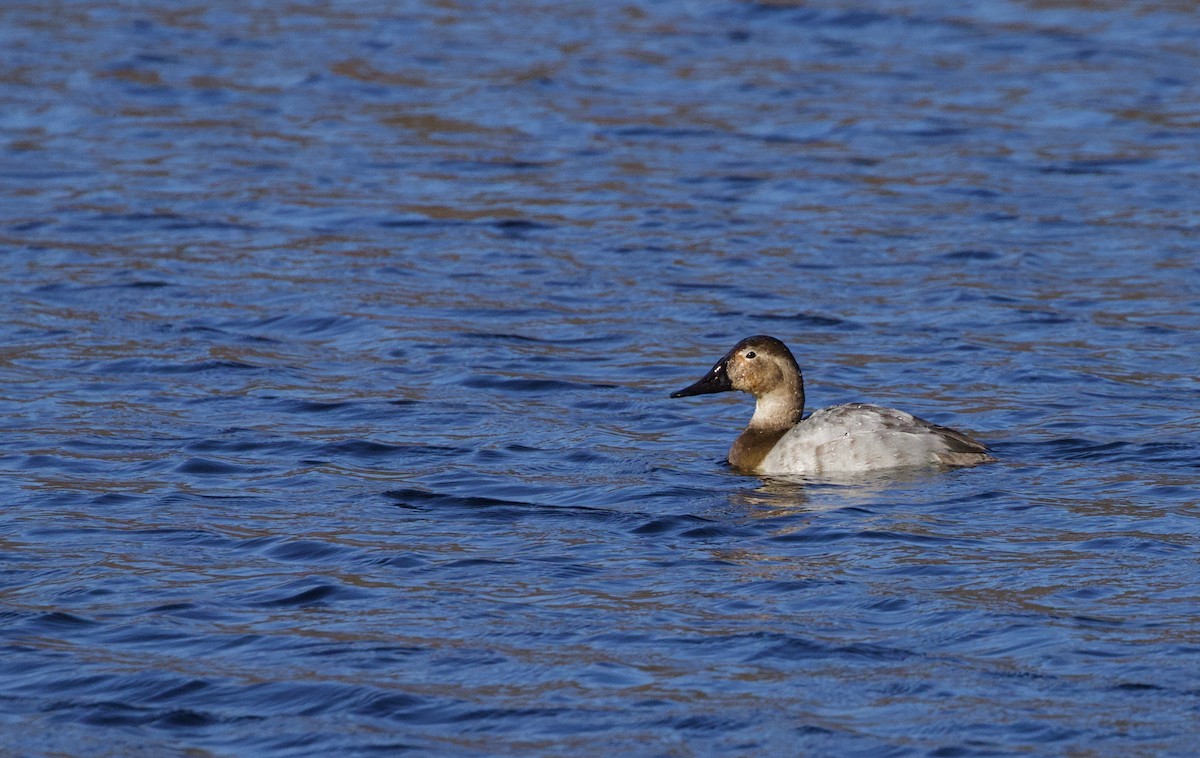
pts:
pixel 750 354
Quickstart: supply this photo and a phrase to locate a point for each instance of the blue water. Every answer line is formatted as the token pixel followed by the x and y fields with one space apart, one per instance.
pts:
pixel 338 339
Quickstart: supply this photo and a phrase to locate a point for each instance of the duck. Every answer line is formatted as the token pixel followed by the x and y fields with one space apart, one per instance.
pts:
pixel 839 440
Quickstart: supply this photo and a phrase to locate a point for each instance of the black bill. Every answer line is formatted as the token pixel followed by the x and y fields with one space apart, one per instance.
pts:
pixel 716 380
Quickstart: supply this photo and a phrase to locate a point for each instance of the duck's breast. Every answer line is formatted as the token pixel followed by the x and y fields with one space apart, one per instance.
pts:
pixel 854 437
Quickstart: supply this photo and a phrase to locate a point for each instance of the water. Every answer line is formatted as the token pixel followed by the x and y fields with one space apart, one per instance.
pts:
pixel 338 339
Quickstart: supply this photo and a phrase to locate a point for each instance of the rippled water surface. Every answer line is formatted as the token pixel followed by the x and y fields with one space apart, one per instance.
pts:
pixel 338 338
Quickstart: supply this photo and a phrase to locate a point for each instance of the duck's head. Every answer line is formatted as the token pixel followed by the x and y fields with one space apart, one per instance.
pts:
pixel 760 365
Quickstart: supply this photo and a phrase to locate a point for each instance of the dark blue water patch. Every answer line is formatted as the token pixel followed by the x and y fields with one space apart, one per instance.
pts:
pixel 998 217
pixel 663 132
pixel 586 457
pixel 210 467
pixel 1178 493
pixel 28 226
pixel 520 225
pixel 386 747
pixel 492 382
pixel 417 223
pixel 194 328
pixel 762 645
pixel 801 319
pixel 582 339
pixel 715 286
pixel 367 450
pixel 299 593
pixel 424 499
pixel 774 12
pixel 1095 621
pixel 564 566
pixel 473 718
pixel 470 563
pixel 972 255
pixel 936 132
pixel 373 656
pixel 881 535
pixel 717 532
pixel 734 179
pixel 83 595
pixel 1043 376
pixel 183 718
pixel 742 179
pixel 837 47
pixel 173 690
pixel 781 586
pixel 857 19
pixel 106 714
pixel 969 749
pixel 704 723
pixel 143 636
pixel 147 366
pixel 287 326
pixel 501 165
pixel 669 525
pixel 308 551
pixel 486 314
pixel 814 534
pixel 146 284
pixel 1080 449
pixel 979 192
pixel 389 704
pixel 1137 687
pixel 72 464
pixel 648 249
pixel 240 444
pixel 891 605
pixel 1137 545
pixel 139 218
pixel 778 138
pixel 172 608
pixel 1073 169
pixel 166 222
pixel 60 621
pixel 148 695
pixel 930 570
pixel 404 561
pixel 292 405
pixel 1096 165
pixel 494 508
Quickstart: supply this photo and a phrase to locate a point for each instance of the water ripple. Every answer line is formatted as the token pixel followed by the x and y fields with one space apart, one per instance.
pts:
pixel 338 342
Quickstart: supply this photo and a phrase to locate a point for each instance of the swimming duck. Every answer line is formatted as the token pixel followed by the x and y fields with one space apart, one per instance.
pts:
pixel 843 439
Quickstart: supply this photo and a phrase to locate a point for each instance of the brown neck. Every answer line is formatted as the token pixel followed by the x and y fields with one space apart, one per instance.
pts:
pixel 781 408
pixel 752 446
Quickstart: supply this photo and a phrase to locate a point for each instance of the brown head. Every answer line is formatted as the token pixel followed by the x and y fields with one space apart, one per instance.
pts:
pixel 764 367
